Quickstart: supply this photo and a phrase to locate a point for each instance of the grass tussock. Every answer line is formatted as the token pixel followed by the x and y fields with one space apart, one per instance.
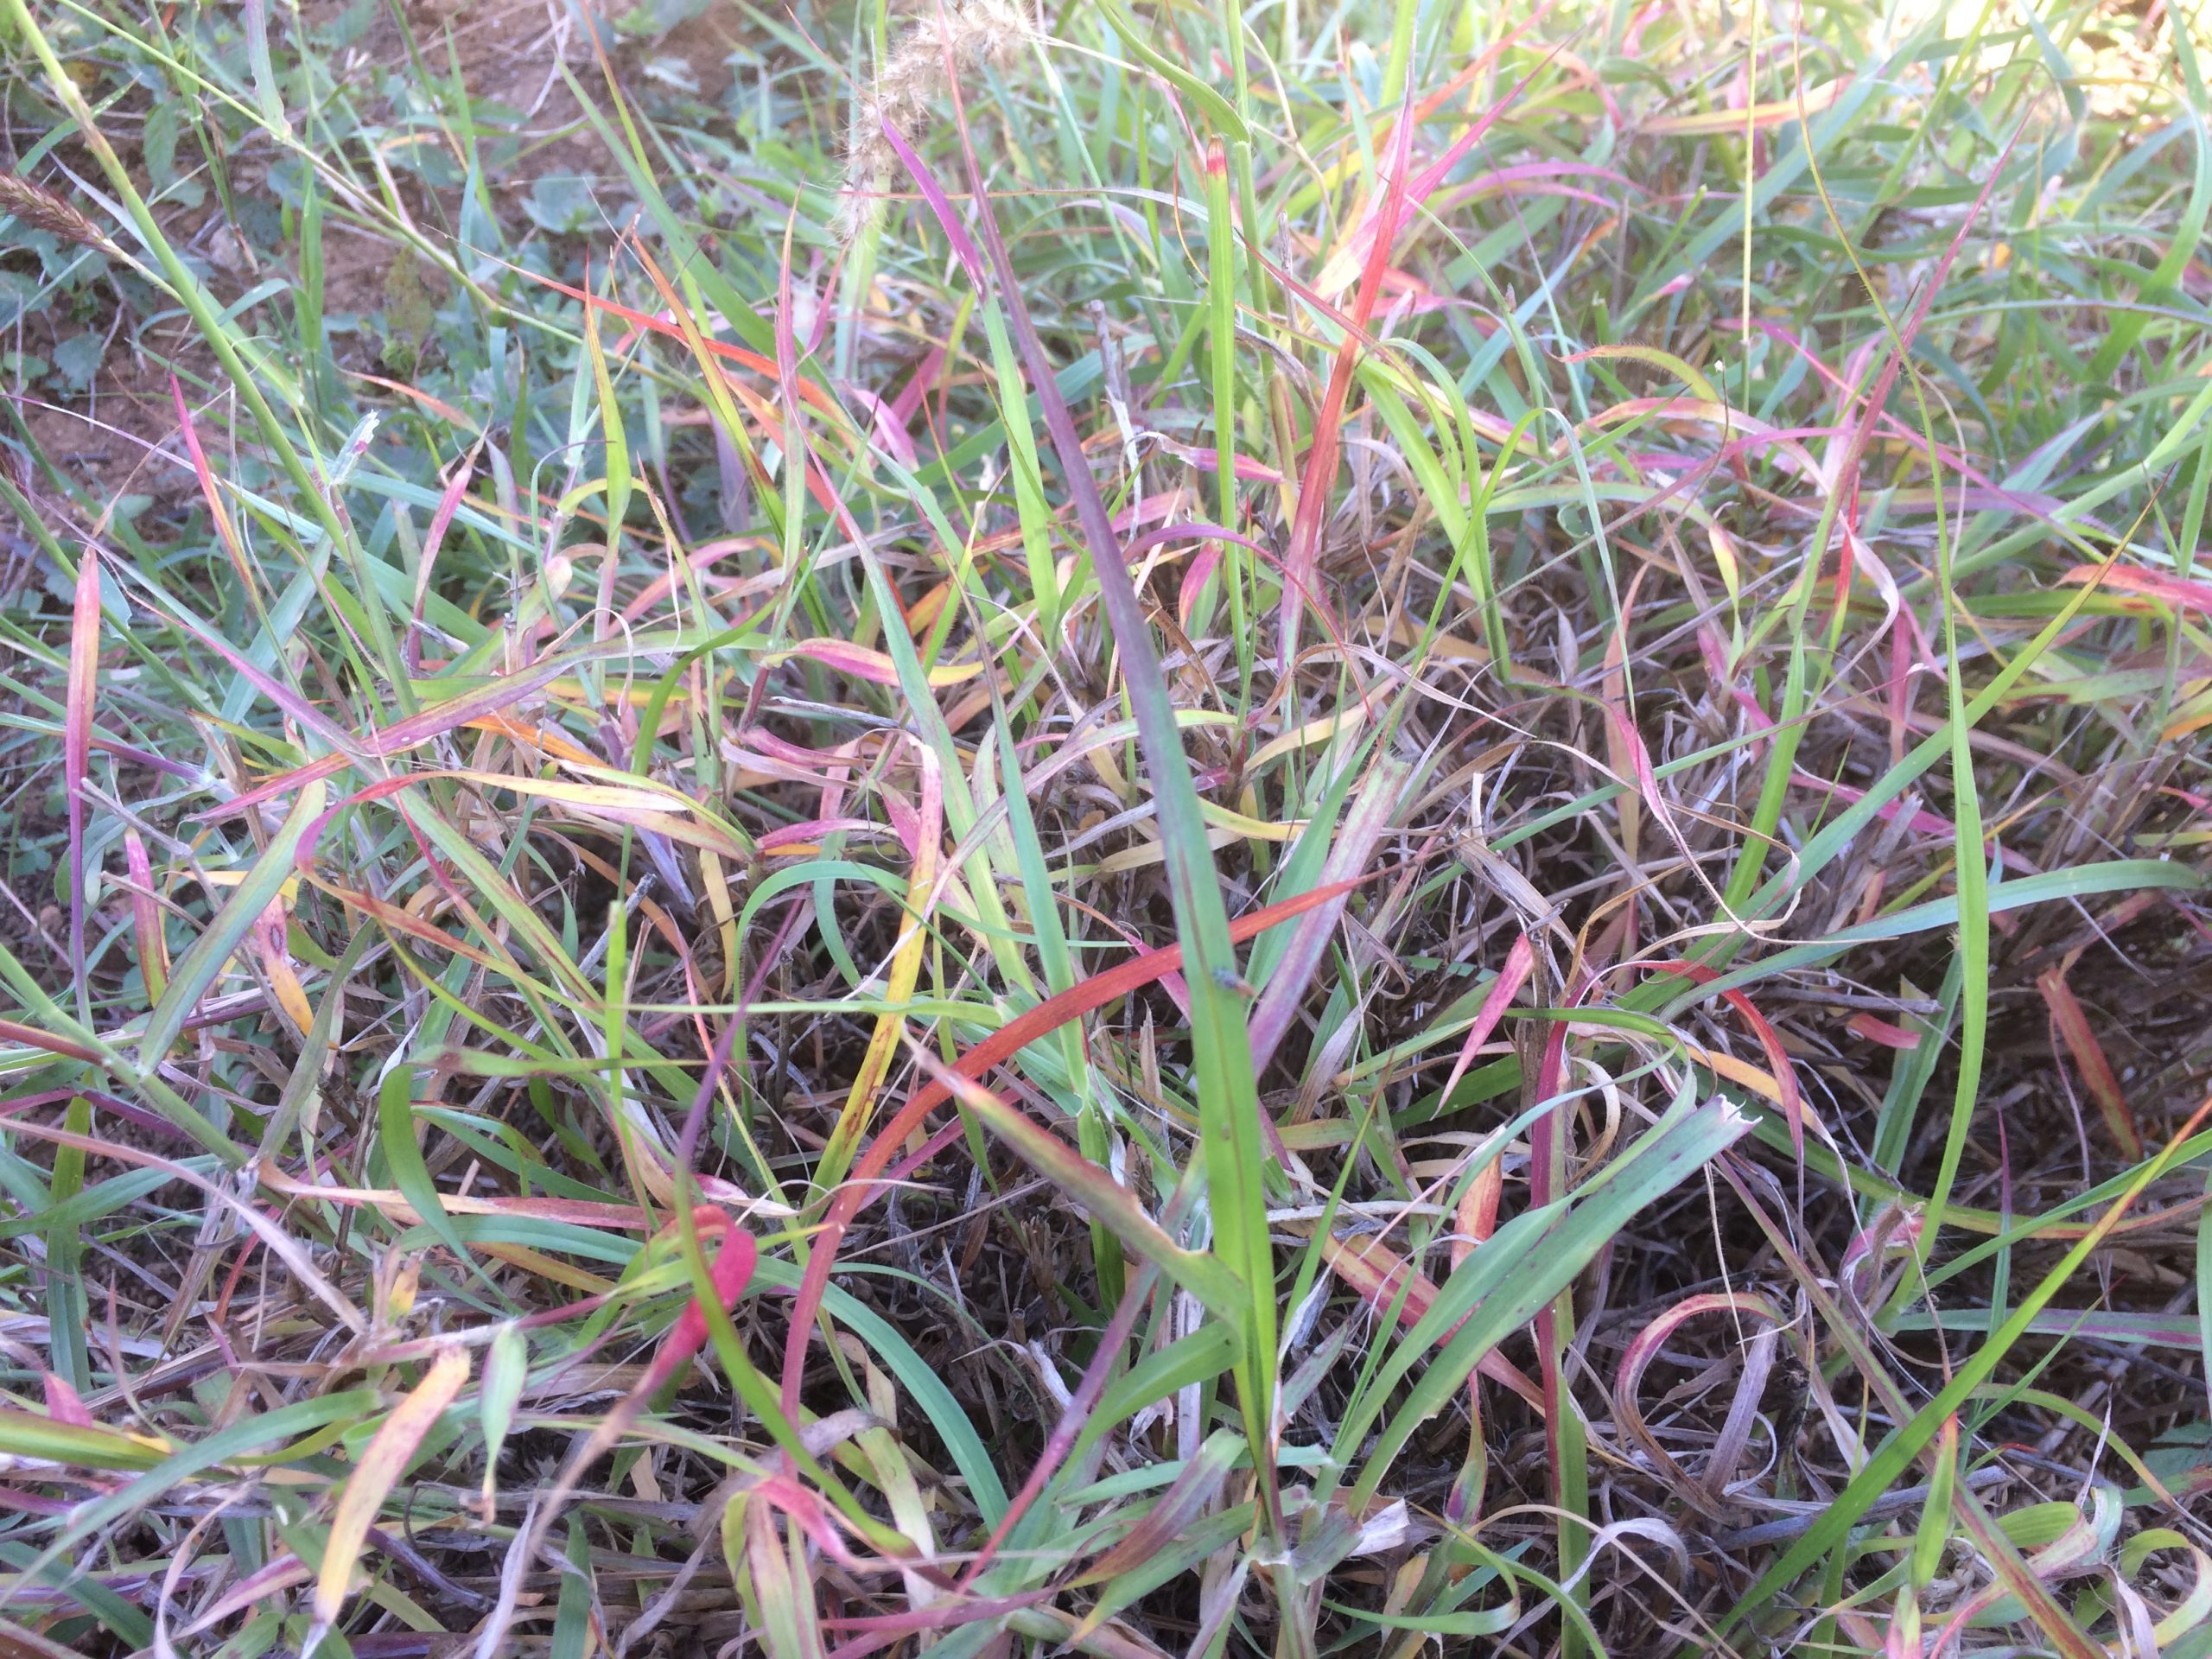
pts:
pixel 1150 832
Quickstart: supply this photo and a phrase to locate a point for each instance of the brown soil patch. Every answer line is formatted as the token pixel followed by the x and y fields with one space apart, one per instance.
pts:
pixel 110 443
pixel 118 438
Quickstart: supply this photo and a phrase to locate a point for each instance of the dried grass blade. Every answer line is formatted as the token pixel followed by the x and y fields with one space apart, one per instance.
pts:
pixel 373 1477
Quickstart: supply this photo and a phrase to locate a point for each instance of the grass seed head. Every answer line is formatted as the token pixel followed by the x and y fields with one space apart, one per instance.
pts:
pixel 947 42
pixel 44 210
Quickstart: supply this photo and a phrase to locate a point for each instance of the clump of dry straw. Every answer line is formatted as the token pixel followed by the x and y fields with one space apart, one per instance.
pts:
pixel 949 39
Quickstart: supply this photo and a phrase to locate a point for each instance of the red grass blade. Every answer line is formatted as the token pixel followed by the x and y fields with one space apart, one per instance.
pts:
pixel 1519 961
pixel 13 1031
pixel 1778 1057
pixel 1008 1042
pixel 964 246
pixel 448 504
pixel 2172 590
pixel 813 394
pixel 1882 1031
pixel 1645 1346
pixel 1376 1274
pixel 1321 458
pixel 76 754
pixel 224 531
pixel 2071 1022
pixel 732 1272
pixel 151 943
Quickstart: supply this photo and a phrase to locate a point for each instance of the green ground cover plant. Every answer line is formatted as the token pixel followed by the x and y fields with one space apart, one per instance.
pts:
pixel 1135 829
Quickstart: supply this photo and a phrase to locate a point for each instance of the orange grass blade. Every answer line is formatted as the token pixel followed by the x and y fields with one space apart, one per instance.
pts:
pixel 374 1476
pixel 2071 1022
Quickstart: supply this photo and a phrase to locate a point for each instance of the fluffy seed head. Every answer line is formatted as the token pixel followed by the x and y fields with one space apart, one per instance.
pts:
pixel 947 40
